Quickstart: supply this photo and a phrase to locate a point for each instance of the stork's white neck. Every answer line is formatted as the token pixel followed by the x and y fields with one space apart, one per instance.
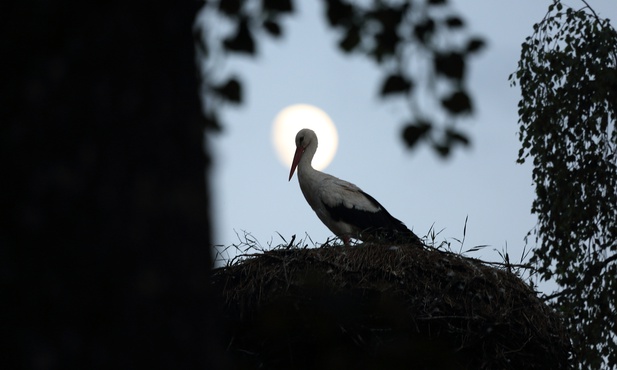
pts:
pixel 309 178
pixel 305 167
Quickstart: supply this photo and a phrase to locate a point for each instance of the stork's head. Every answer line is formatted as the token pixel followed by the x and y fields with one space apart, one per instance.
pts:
pixel 305 139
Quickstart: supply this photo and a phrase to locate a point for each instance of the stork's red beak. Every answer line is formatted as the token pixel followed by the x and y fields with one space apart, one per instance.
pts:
pixel 294 163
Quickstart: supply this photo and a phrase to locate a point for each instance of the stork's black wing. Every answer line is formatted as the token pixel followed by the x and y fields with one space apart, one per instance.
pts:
pixel 377 223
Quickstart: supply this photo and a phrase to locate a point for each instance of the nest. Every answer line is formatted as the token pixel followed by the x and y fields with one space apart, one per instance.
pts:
pixel 383 307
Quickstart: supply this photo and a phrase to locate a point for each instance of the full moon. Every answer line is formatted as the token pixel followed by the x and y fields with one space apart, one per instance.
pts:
pixel 294 118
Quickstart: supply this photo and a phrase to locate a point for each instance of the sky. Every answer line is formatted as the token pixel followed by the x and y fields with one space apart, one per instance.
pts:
pixel 482 184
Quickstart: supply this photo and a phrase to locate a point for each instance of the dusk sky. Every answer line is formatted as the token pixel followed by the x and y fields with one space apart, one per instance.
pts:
pixel 484 183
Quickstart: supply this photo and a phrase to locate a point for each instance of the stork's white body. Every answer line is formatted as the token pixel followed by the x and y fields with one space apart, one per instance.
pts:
pixel 342 206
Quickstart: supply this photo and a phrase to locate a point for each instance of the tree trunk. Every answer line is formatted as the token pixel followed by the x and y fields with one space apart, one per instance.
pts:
pixel 105 230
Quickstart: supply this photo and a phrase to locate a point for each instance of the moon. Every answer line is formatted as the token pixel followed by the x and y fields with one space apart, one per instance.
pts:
pixel 294 118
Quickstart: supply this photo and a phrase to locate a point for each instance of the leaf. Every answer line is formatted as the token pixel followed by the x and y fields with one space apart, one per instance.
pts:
pixel 230 7
pixel 442 149
pixel 388 17
pixel 230 90
pixel 475 45
pixel 412 133
pixel 451 65
pixel 242 41
pixel 456 137
pixel 454 22
pixel 457 103
pixel 279 6
pixel 424 30
pixel 395 84
pixel 386 42
pixel 351 39
pixel 339 12
pixel 272 28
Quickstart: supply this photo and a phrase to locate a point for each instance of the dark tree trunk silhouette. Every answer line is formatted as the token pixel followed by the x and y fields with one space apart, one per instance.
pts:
pixel 105 232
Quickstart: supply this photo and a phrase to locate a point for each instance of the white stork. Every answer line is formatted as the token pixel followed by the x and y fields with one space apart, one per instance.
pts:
pixel 342 206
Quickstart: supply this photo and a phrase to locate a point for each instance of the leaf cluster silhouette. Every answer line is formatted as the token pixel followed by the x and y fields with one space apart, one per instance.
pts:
pixel 568 114
pixel 411 42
